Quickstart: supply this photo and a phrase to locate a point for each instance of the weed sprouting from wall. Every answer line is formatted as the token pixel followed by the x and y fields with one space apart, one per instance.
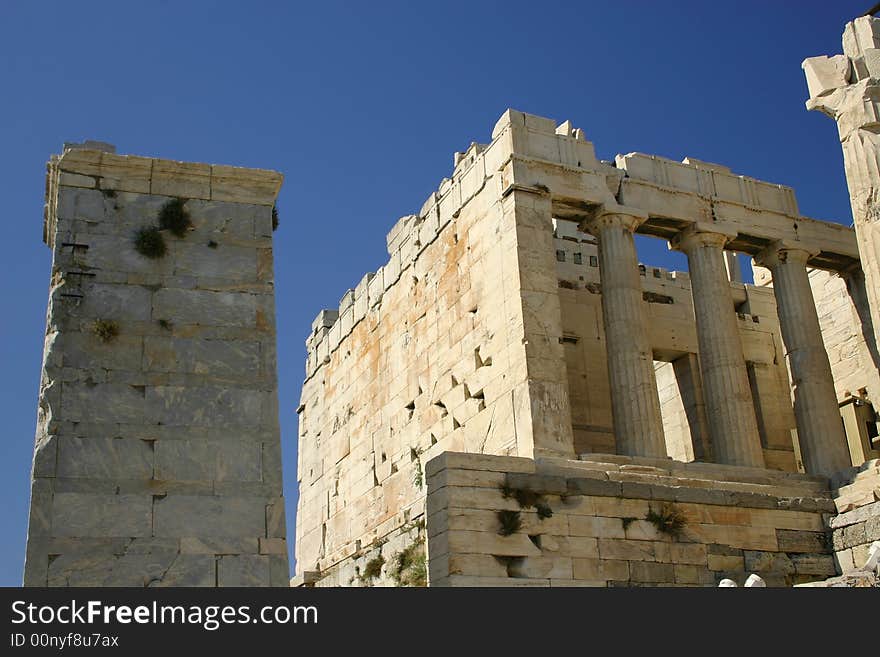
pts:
pixel 174 218
pixel 510 522
pixel 527 499
pixel 105 329
pixel 373 568
pixel 668 520
pixel 419 474
pixel 148 241
pixel 410 566
pixel 165 324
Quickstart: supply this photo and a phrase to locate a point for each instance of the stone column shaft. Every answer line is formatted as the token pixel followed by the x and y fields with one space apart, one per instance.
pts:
pixel 635 405
pixel 729 408
pixel 820 429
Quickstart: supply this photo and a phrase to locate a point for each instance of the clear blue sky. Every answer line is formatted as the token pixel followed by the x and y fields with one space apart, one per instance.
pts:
pixel 361 106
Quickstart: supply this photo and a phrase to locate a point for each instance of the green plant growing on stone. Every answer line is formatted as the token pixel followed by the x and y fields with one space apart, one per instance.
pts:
pixel 212 244
pixel 524 497
pixel 165 324
pixel 527 499
pixel 105 329
pixel 419 474
pixel 274 217
pixel 174 218
pixel 372 569
pixel 627 522
pixel 510 522
pixel 410 566
pixel 109 193
pixel 668 520
pixel 148 241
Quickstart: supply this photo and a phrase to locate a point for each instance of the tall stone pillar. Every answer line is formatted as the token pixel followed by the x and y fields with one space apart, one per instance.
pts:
pixel 728 397
pixel 158 457
pixel 820 431
pixel 847 88
pixel 635 405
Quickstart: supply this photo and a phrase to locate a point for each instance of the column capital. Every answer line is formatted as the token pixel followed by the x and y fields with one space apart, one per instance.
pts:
pixel 627 218
pixel 780 252
pixel 696 235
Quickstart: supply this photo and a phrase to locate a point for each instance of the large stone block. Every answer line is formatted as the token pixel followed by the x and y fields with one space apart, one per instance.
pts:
pixel 102 402
pixel 202 460
pixel 228 359
pixel 209 516
pixel 205 308
pixel 104 458
pixel 190 570
pixel 233 263
pixel 801 541
pixel 244 570
pixel 825 74
pixel 84 515
pixel 204 406
pixel 112 302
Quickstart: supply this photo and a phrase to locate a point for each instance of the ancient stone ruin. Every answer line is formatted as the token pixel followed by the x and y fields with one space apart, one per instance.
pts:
pixel 513 399
pixel 157 458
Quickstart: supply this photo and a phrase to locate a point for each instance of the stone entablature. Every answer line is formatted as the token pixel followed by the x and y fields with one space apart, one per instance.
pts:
pixel 673 195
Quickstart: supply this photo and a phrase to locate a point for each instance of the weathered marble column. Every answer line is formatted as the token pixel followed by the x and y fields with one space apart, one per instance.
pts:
pixel 635 405
pixel 820 432
pixel 847 88
pixel 728 397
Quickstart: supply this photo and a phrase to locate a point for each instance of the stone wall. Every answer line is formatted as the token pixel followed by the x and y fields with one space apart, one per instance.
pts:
pixel 157 458
pixel 483 334
pixel 423 356
pixel 857 524
pixel 589 523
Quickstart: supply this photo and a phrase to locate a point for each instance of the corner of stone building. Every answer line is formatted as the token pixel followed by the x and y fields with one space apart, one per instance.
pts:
pixel 157 458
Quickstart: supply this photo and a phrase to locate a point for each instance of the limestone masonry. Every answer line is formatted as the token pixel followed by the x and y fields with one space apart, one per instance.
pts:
pixel 157 458
pixel 513 399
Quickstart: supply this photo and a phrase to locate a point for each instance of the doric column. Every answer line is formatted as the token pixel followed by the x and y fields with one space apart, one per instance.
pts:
pixel 635 405
pixel 820 432
pixel 728 397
